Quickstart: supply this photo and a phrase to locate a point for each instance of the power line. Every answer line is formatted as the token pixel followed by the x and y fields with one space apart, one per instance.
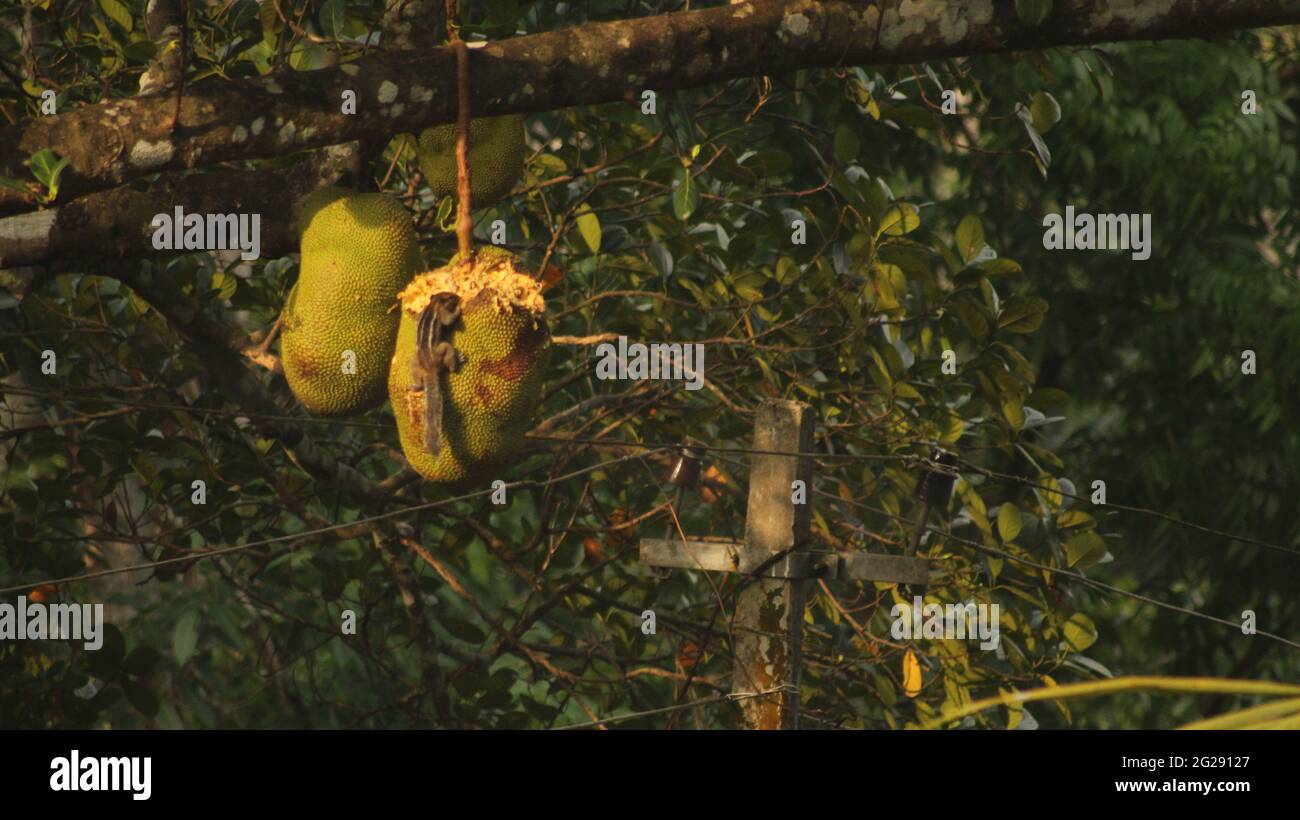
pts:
pixel 910 459
pixel 218 551
pixel 1068 573
pixel 376 425
pixel 1141 510
pixel 914 460
pixel 242 414
pixel 736 696
pixel 660 445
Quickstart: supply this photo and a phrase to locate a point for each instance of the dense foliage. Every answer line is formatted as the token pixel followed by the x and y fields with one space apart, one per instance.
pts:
pixel 923 235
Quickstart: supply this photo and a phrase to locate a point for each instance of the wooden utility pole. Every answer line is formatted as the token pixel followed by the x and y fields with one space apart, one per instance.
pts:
pixel 770 608
pixel 774 524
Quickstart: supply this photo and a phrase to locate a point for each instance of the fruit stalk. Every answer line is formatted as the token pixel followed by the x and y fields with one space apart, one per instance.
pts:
pixel 464 219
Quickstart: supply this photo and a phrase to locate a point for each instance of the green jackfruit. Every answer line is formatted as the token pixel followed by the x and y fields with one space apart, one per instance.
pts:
pixel 502 343
pixel 340 321
pixel 496 157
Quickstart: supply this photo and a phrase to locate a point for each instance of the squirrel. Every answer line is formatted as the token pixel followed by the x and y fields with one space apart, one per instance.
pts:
pixel 434 355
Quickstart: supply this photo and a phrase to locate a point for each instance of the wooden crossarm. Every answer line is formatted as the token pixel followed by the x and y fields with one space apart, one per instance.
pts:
pixel 737 556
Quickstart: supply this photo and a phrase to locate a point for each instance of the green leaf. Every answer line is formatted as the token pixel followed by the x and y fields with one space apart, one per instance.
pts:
pixel 979 514
pixel 551 164
pixel 225 284
pixel 1014 412
pixel 749 286
pixel 913 115
pixel 401 147
pixel 117 11
pixel 47 166
pixel 333 17
pixel 270 20
pixel 686 198
pixel 787 270
pixel 846 144
pixel 304 56
pixel 1000 267
pixel 881 374
pixel 1080 632
pixel 141 51
pixel 464 630
pixel 863 96
pixel 1044 111
pixel 1047 398
pixel 972 317
pixel 1043 153
pixel 899 220
pixel 1022 315
pixel 771 162
pixel 446 215
pixel 1085 549
pixel 970 237
pixel 661 258
pixel 1074 518
pixel 1050 496
pixel 589 227
pixel 185 636
pixel 14 185
pixel 875 196
pixel 1009 522
pixel 1033 12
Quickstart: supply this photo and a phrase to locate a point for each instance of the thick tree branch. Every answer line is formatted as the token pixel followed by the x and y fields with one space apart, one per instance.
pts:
pixel 114 142
pixel 116 224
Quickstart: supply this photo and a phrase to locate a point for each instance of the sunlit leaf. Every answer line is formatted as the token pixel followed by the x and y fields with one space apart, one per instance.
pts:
pixel 1009 522
pixel 899 219
pixel 118 12
pixel 1084 550
pixel 911 674
pixel 1080 632
pixel 970 237
pixel 1045 112
pixel 686 198
pixel 589 227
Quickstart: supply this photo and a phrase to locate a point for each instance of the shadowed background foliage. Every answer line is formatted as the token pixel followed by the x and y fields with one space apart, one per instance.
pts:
pixel 924 233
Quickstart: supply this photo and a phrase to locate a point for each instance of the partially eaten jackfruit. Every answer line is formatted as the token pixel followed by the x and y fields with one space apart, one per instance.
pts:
pixel 489 394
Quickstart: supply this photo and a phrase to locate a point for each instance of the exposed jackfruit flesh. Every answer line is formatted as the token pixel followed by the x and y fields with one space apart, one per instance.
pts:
pixel 502 343
pixel 496 157
pixel 340 321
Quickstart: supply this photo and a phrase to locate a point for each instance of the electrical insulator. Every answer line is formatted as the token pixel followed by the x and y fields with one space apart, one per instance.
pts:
pixel 934 486
pixel 685 472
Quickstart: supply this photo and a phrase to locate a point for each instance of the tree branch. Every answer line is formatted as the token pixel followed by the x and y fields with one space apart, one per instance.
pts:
pixel 211 343
pixel 116 224
pixel 113 142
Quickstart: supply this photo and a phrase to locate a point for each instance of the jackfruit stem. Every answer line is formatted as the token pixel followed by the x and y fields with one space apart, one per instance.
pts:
pixel 464 219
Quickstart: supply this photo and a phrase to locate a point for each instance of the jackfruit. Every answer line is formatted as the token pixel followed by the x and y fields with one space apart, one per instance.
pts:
pixel 502 345
pixel 496 157
pixel 340 321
